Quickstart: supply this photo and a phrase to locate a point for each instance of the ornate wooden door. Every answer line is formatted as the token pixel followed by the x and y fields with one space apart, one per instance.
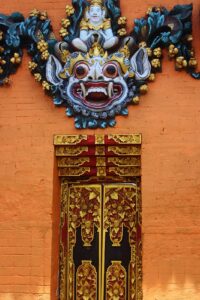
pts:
pixel 101 242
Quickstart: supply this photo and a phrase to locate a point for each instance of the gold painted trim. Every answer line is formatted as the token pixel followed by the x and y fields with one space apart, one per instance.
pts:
pixel 100 150
pixel 69 139
pixel 134 139
pixel 99 139
pixel 125 161
pixel 125 151
pixel 70 151
pixel 72 161
pixel 125 171
pixel 101 171
pixel 100 161
pixel 62 254
pixel 74 171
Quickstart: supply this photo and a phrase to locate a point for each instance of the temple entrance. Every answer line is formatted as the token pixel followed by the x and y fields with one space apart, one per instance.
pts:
pixel 103 241
pixel 100 247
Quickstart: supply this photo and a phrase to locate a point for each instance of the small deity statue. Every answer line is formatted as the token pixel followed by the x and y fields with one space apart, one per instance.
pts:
pixel 94 27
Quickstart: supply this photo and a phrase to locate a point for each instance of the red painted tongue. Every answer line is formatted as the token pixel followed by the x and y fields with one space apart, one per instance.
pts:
pixel 96 96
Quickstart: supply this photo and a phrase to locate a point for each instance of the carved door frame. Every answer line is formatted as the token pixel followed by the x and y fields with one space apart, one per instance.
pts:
pixel 99 159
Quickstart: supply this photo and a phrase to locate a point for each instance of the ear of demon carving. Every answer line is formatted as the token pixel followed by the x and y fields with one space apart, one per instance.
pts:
pixel 53 69
pixel 140 64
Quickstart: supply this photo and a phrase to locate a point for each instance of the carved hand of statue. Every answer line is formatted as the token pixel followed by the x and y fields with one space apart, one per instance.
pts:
pixel 96 37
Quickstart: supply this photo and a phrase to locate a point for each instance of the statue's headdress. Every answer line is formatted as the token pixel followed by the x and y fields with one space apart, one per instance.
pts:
pixel 97 2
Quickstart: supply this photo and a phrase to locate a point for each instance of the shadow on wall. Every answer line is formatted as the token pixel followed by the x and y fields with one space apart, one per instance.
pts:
pixel 171 267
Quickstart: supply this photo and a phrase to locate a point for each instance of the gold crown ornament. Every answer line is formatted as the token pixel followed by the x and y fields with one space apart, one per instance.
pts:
pixel 96 2
pixel 97 51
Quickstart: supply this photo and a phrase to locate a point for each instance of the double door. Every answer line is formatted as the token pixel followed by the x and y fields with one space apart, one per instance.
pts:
pixel 103 242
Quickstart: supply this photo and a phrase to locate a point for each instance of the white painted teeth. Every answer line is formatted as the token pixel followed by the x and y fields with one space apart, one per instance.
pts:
pixel 96 90
pixel 110 89
pixel 83 89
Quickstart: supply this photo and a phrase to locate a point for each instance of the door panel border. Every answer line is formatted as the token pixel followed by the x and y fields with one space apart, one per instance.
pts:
pixel 98 159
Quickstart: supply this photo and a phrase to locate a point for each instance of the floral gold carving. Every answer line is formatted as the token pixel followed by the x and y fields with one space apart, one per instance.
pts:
pixel 116 282
pixel 125 171
pixel 70 151
pixel 109 212
pixel 80 171
pixel 72 161
pixel 84 210
pixel 124 161
pixel 86 282
pixel 125 138
pixel 69 139
pixel 126 151
pixel 119 211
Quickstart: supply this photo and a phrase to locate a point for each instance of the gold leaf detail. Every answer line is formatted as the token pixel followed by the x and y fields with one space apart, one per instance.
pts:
pixel 114 196
pixel 124 161
pixel 125 171
pixel 86 285
pixel 92 195
pixel 74 171
pixel 99 139
pixel 116 282
pixel 100 161
pixel 127 151
pixel 100 150
pixel 101 171
pixel 125 138
pixel 71 151
pixel 69 139
pixel 72 161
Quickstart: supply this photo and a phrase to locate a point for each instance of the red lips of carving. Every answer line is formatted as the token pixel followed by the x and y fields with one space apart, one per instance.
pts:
pixel 97 95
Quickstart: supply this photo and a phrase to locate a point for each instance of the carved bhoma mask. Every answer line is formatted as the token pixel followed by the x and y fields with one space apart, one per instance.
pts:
pixel 96 85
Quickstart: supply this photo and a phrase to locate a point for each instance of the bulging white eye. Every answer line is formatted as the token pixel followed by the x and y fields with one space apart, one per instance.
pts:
pixel 81 70
pixel 110 70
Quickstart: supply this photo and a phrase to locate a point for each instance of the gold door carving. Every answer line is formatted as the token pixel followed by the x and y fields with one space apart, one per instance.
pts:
pixel 101 258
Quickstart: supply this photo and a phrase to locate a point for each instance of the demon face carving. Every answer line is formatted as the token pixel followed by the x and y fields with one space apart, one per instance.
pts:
pixel 96 69
pixel 96 86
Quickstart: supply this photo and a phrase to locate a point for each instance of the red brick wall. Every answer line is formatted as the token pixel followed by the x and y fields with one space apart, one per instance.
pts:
pixel 168 118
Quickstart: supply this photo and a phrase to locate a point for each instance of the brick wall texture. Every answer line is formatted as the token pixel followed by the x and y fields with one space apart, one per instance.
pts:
pixel 168 118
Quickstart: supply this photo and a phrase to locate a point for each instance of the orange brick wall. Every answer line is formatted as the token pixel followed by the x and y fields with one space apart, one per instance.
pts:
pixel 169 120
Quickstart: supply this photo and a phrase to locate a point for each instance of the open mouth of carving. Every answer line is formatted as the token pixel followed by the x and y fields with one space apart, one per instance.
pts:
pixel 97 94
